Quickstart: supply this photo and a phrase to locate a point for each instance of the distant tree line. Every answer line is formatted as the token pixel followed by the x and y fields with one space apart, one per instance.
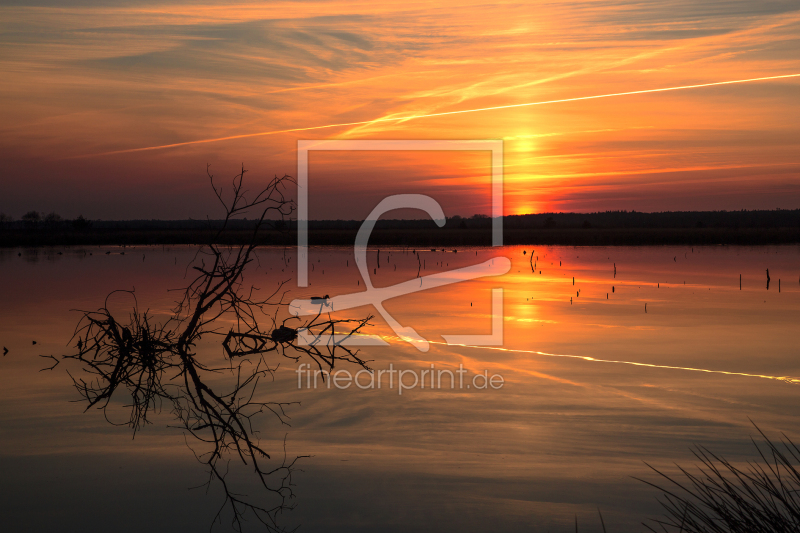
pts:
pixel 760 219
pixel 608 228
pixel 33 220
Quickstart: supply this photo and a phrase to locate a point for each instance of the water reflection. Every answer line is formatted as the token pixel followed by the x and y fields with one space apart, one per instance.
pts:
pixel 561 438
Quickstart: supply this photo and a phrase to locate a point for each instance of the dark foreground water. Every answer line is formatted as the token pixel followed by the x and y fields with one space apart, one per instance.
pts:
pixel 593 387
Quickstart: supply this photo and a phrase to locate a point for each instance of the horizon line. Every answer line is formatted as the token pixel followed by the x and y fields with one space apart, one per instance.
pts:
pixel 475 216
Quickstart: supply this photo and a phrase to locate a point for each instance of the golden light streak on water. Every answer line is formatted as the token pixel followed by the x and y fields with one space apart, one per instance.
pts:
pixel 785 379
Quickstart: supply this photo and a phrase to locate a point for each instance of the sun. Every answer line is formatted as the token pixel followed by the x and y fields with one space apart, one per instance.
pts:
pixel 524 208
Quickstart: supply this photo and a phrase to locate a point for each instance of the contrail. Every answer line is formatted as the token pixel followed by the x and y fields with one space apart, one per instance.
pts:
pixel 444 113
pixel 785 379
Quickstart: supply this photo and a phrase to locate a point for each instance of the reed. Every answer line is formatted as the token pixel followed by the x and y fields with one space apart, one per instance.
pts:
pixel 759 496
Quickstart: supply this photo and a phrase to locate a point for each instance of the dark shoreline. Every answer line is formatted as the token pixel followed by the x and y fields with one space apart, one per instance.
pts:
pixel 420 237
pixel 610 228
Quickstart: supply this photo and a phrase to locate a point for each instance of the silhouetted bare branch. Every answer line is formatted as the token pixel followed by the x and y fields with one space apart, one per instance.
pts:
pixel 153 364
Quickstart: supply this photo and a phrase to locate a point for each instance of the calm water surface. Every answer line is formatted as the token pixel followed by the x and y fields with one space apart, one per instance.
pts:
pixel 587 397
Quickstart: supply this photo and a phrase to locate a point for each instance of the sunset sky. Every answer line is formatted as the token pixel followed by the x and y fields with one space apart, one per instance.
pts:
pixel 86 85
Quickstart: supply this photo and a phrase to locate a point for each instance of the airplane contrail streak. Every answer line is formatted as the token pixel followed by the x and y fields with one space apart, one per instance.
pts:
pixel 444 113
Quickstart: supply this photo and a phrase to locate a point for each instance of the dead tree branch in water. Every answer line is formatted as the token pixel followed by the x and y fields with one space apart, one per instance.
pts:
pixel 151 365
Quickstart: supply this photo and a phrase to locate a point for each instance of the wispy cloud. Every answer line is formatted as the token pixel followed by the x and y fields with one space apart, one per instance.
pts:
pixel 113 78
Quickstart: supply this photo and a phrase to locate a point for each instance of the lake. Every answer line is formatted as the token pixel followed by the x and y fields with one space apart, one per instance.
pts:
pixel 610 358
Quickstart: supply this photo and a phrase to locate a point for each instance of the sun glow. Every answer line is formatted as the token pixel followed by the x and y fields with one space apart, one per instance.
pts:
pixel 526 208
pixel 522 144
pixel 168 89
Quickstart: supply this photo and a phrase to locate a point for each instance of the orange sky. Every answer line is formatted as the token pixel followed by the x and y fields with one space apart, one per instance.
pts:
pixel 100 77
